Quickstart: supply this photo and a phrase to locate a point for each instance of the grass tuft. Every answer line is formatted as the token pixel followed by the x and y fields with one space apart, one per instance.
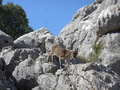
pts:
pixel 93 56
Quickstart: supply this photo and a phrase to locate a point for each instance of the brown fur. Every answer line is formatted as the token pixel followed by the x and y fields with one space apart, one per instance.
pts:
pixel 62 53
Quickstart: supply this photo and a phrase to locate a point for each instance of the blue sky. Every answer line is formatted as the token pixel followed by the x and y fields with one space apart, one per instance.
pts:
pixel 52 14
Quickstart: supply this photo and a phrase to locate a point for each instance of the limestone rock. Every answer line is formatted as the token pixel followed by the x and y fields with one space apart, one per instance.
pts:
pixel 110 54
pixel 29 70
pixel 36 88
pixel 4 83
pixel 47 81
pixel 41 38
pixel 2 64
pixel 74 78
pixel 101 24
pixel 33 39
pixel 12 57
pixel 49 68
pixel 26 73
pixel 108 20
pixel 84 11
pixel 27 62
pixel 114 65
pixel 98 1
pixel 5 40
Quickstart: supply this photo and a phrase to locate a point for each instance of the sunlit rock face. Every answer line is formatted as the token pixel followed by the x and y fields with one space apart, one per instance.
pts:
pixel 25 65
pixel 92 24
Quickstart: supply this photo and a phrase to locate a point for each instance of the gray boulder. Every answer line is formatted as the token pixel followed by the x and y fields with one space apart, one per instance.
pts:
pixel 110 54
pixel 12 57
pixel 75 78
pixel 5 40
pixel 2 64
pixel 33 39
pixel 11 60
pixel 83 12
pixel 41 38
pixel 27 72
pixel 47 82
pixel 108 20
pixel 82 32
pixel 99 24
pixel 98 1
pixel 114 65
pixel 49 68
pixel 92 24
pixel 6 84
pixel 36 88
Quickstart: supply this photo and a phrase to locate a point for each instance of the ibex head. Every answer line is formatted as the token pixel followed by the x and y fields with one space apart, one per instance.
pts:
pixel 74 53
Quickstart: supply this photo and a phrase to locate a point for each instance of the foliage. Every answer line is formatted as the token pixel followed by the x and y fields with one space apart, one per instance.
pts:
pixel 1 2
pixel 13 20
pixel 93 56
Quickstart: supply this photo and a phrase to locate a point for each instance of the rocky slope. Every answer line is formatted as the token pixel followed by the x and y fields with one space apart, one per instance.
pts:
pixel 94 30
pixel 92 24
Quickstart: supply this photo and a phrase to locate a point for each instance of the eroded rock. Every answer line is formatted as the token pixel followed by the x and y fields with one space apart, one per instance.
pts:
pixel 5 40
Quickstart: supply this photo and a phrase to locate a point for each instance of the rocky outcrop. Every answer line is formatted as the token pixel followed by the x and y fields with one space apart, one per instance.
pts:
pixel 41 38
pixel 74 78
pixel 12 57
pixel 108 20
pixel 98 1
pixel 84 11
pixel 37 75
pixel 29 69
pixel 92 24
pixel 94 31
pixel 33 39
pixel 5 40
pixel 5 84
pixel 111 51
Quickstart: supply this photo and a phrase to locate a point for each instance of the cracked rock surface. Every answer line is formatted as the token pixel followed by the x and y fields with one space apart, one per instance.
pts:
pixel 24 63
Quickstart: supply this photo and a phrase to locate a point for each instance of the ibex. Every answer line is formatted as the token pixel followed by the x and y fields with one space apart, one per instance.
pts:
pixel 62 53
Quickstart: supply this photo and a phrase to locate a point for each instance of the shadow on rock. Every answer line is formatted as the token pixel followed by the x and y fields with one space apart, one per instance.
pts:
pixel 65 63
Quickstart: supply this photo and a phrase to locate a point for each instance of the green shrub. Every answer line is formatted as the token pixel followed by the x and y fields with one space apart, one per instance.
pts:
pixel 13 20
pixel 93 56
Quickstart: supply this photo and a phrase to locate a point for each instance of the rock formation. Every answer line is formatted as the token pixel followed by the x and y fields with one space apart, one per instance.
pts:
pixel 94 30
pixel 92 24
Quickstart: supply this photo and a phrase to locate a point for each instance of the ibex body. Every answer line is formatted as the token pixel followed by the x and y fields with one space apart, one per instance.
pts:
pixel 62 53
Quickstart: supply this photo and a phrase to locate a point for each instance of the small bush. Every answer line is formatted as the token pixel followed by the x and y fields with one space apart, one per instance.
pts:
pixel 93 56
